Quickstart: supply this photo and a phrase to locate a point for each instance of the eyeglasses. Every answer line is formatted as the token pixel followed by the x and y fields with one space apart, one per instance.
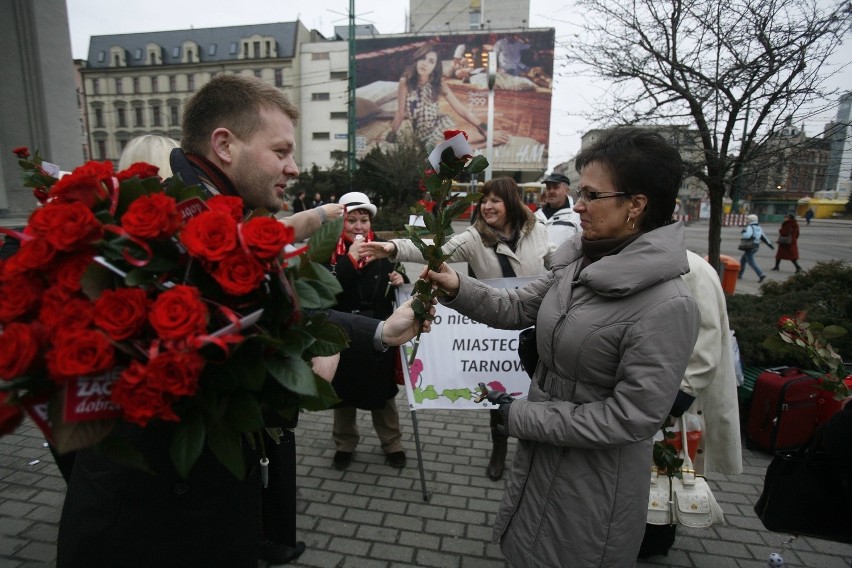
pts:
pixel 587 196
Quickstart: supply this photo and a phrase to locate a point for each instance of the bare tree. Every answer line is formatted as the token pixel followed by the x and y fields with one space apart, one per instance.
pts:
pixel 734 70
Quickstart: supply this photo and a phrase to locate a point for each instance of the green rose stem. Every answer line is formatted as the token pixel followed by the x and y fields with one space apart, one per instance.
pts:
pixel 439 222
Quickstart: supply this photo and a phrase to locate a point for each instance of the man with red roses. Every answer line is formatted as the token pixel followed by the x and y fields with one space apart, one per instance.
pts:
pixel 238 140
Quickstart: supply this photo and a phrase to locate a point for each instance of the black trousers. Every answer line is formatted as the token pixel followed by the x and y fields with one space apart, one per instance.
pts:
pixel 279 497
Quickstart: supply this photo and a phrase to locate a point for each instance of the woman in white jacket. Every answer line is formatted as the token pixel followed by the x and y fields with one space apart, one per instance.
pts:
pixel 504 241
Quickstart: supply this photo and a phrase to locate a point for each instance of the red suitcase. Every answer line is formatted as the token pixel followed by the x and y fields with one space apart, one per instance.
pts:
pixel 786 409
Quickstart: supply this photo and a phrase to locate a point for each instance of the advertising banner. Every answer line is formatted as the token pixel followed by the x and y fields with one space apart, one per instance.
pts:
pixel 420 86
pixel 460 353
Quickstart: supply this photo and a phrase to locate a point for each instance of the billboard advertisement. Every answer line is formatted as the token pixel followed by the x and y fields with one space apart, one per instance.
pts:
pixel 419 86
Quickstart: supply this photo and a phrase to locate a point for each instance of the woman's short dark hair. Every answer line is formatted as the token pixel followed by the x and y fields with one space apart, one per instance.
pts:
pixel 435 76
pixel 506 189
pixel 640 161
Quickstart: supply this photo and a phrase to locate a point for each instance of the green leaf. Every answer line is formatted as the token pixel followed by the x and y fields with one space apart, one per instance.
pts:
pixel 292 373
pixel 324 239
pixel 329 338
pixel 325 399
pixel 833 332
pixel 433 183
pixel 308 296
pixel 226 445
pixel 95 280
pixel 429 221
pixel 477 164
pixel 187 443
pixel 176 188
pixel 294 342
pixel 243 413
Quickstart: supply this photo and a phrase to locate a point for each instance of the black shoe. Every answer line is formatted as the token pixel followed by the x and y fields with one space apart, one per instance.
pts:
pixel 277 553
pixel 341 460
pixel 776 268
pixel 396 459
pixel 761 279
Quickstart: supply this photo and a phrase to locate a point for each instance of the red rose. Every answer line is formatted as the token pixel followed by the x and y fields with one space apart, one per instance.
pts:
pixel 175 372
pixel 22 152
pixel 139 401
pixel 78 354
pixel 140 170
pixel 11 416
pixel 20 347
pixel 51 305
pixel 121 313
pixel 265 237
pixel 238 274
pixel 210 235
pixel 786 323
pixel 229 204
pixel 66 226
pixel 453 133
pixel 74 313
pixel 19 295
pixel 152 216
pixel 34 254
pixel 85 184
pixel 68 273
pixel 179 313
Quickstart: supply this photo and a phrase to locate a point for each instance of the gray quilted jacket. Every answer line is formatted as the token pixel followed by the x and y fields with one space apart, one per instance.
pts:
pixel 614 340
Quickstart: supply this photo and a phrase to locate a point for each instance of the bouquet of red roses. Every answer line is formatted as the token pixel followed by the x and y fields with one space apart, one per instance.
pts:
pixel 137 300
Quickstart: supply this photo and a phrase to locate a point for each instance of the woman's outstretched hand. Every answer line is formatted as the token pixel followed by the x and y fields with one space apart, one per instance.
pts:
pixel 377 250
pixel 445 279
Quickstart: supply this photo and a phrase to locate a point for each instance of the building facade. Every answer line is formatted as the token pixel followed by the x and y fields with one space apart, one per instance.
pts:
pixel 447 16
pixel 39 107
pixel 838 176
pixel 137 84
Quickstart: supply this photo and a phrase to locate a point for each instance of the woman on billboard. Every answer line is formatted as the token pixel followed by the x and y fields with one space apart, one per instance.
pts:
pixel 418 95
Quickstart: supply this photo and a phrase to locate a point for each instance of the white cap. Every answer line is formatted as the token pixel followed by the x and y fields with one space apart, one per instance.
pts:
pixel 357 200
pixel 752 218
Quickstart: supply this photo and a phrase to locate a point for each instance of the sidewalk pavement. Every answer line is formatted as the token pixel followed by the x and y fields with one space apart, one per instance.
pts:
pixel 374 516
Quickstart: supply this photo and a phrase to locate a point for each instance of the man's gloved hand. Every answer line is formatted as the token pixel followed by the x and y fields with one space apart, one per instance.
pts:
pixel 504 400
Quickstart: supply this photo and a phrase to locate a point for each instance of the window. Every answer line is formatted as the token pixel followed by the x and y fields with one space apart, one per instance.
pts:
pixel 102 149
pixel 320 97
pixel 155 115
pixel 233 49
pixel 140 117
pixel 176 51
pixel 101 56
pixel 172 83
pixel 117 62
pixel 122 117
pixel 268 49
pixel 258 73
pixel 337 75
pixel 340 115
pixel 136 85
pixel 211 50
pixel 155 84
pixel 122 144
pixel 189 56
pixel 173 115
pixel 279 78
pixel 256 46
pixel 99 118
pixel 119 86
pixel 96 86
pixel 323 55
pixel 138 54
pixel 190 82
pixel 321 136
pixel 338 155
pixel 152 59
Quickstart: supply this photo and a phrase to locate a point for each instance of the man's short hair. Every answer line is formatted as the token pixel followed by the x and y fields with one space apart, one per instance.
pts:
pixel 233 102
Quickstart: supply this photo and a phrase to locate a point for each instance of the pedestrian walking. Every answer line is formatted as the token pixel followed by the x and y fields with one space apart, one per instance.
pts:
pixel 752 235
pixel 788 242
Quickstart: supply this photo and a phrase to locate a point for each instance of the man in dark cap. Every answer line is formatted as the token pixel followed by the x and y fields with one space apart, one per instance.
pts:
pixel 557 213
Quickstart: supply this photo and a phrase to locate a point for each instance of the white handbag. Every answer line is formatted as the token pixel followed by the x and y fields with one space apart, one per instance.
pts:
pixel 686 500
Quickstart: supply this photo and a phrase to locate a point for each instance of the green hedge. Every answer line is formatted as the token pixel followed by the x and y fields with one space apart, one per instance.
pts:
pixel 825 292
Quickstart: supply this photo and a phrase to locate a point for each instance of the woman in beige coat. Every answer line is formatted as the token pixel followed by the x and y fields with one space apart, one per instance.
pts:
pixel 504 241
pixel 615 329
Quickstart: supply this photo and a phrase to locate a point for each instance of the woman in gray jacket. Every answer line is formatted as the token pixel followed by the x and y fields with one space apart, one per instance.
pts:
pixel 616 327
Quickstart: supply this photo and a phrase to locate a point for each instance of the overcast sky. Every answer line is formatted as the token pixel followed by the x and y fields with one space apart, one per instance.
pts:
pixel 570 94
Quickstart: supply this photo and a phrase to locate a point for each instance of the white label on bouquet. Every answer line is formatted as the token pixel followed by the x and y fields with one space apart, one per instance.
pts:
pixel 245 323
pixel 88 398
